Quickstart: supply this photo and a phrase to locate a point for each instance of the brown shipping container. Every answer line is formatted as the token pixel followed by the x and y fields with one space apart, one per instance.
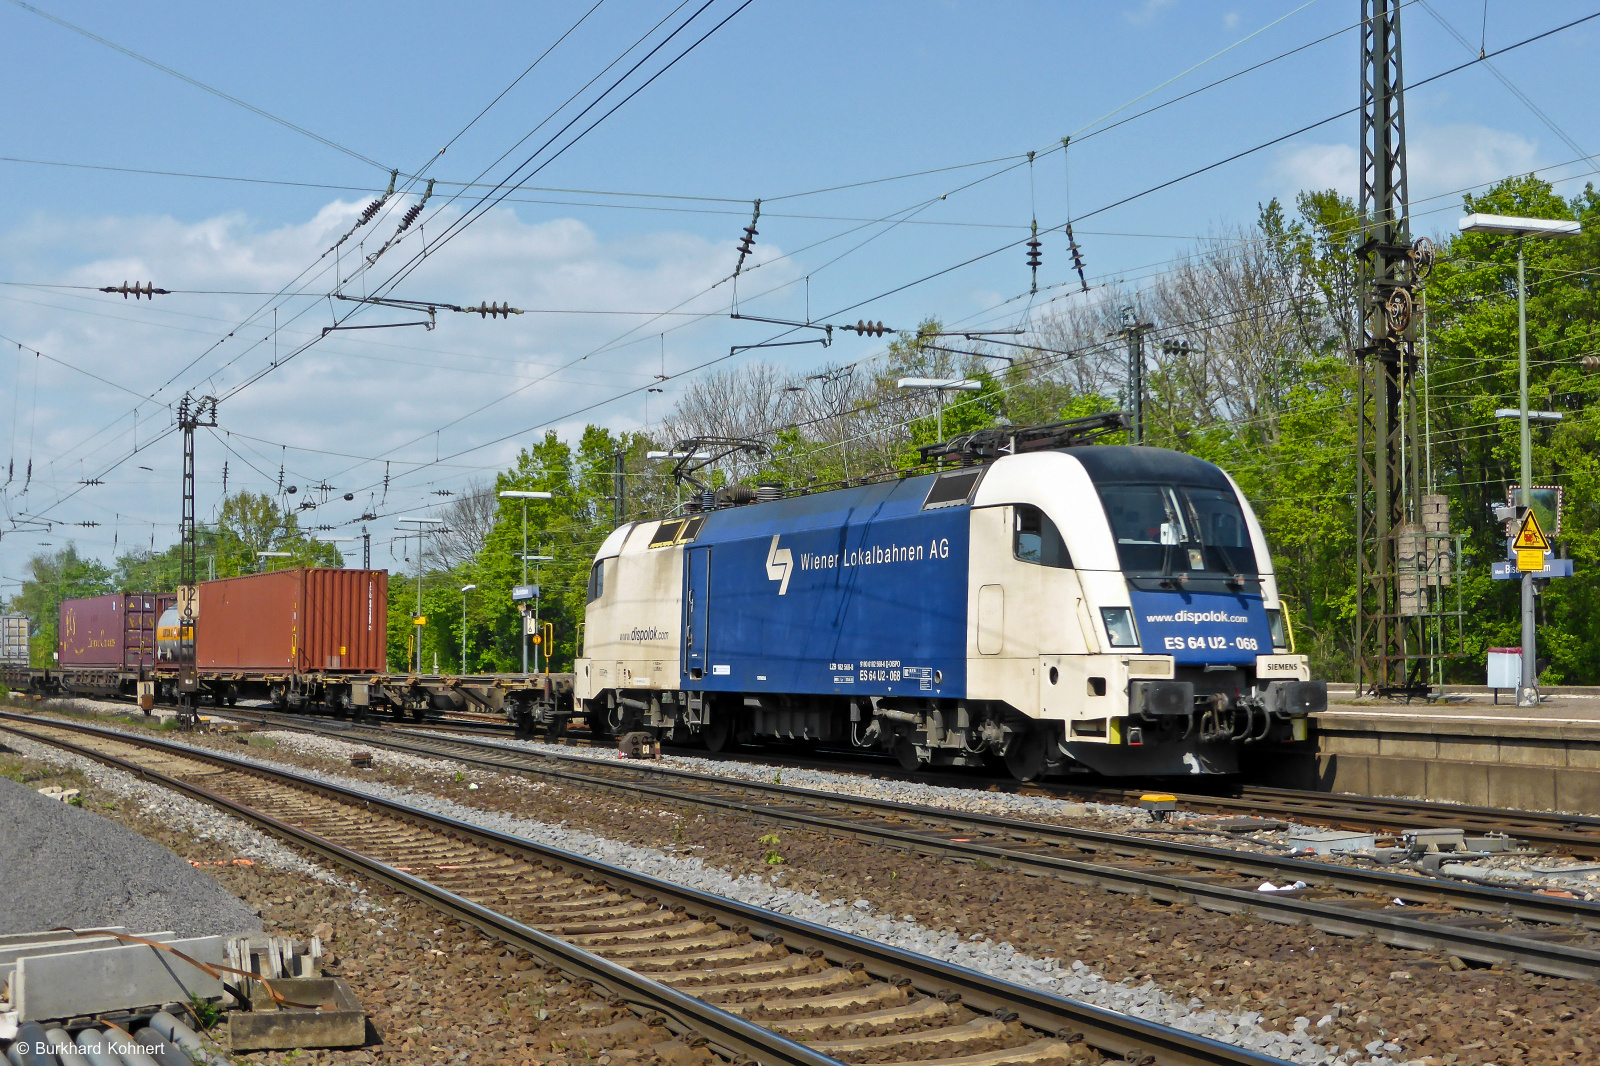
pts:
pixel 118 630
pixel 295 620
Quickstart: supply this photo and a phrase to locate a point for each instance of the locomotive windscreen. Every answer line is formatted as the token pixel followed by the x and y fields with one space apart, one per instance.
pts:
pixel 1166 529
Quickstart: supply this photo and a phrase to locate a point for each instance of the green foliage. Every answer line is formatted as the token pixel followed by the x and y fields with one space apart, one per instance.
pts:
pixel 569 527
pixel 247 522
pixel 206 1014
pixel 1473 309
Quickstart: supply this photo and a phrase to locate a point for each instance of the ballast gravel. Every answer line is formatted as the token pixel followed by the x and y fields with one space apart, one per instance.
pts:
pixel 71 867
pixel 179 812
pixel 1230 970
pixel 1075 981
pixel 970 800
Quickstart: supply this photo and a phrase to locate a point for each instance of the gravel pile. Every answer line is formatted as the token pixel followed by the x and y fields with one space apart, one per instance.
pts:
pixel 71 867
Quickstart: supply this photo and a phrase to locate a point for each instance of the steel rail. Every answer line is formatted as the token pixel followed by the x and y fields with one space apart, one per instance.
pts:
pixel 1575 834
pixel 1523 905
pixel 1476 945
pixel 1120 1034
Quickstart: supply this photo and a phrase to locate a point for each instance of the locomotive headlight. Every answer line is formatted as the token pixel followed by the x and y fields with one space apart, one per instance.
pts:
pixel 1119 626
pixel 1280 641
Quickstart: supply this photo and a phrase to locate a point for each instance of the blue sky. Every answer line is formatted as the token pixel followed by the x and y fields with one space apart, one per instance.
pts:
pixel 786 98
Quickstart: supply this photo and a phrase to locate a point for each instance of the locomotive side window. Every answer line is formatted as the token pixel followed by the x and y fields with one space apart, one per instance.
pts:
pixel 667 533
pixel 1035 539
pixel 953 489
pixel 597 581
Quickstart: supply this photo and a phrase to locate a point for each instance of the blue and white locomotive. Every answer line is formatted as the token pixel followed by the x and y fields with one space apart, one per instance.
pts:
pixel 1100 608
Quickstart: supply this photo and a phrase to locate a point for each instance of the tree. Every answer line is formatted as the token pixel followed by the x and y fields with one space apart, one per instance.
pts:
pixel 467 522
pixel 247 523
pixel 1250 364
pixel 50 578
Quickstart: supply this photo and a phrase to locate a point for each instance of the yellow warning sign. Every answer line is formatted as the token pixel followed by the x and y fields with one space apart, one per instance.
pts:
pixel 1530 536
pixel 1530 560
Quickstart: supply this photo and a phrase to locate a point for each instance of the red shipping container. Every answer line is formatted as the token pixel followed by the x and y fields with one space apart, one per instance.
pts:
pixel 296 621
pixel 118 630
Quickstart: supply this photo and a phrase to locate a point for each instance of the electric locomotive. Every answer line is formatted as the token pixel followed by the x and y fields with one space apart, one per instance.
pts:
pixel 1094 608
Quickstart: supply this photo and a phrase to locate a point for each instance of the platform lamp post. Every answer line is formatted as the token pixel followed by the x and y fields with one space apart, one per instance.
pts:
pixel 464 590
pixel 538 596
pixel 1522 229
pixel 422 525
pixel 941 386
pixel 262 557
pixel 524 496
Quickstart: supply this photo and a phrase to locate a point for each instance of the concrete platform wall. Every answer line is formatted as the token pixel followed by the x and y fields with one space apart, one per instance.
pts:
pixel 1495 764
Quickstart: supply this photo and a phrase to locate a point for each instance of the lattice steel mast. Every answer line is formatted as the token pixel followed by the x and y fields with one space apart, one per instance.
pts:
pixel 1391 653
pixel 192 415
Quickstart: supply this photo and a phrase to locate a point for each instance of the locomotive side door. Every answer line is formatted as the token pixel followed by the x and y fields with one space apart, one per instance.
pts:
pixel 696 608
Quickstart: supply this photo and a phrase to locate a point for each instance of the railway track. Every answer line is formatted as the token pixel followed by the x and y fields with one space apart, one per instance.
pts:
pixel 742 981
pixel 1474 923
pixel 1573 834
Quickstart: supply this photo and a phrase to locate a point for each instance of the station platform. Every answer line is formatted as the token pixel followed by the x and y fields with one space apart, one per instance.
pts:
pixel 1464 747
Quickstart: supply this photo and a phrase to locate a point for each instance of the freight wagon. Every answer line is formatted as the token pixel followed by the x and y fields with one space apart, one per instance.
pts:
pixel 105 645
pixel 305 639
pixel 15 630
pixel 1109 609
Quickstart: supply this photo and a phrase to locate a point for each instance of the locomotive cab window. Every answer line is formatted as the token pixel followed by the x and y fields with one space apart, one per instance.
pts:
pixel 597 581
pixel 1166 529
pixel 1035 539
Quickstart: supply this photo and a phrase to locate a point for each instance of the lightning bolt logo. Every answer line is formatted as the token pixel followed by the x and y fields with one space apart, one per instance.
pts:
pixel 779 565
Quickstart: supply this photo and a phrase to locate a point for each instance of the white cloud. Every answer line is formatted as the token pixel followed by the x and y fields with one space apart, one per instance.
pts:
pixel 1441 160
pixel 1231 20
pixel 1147 12
pixel 359 393
pixel 1316 166
pixel 1447 158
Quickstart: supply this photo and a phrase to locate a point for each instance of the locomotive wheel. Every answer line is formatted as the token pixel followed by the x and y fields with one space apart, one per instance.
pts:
pixel 622 719
pixel 718 733
pixel 906 752
pixel 1025 756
